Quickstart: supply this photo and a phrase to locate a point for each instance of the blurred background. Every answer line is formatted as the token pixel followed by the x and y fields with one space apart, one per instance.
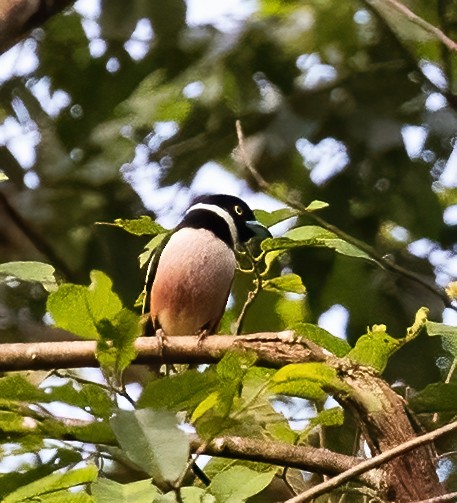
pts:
pixel 108 112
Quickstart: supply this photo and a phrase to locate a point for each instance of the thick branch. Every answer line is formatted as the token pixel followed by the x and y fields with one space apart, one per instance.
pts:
pixel 303 457
pixel 274 350
pixel 18 17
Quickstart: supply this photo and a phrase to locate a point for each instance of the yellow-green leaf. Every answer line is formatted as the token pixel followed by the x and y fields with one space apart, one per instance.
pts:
pixel 286 283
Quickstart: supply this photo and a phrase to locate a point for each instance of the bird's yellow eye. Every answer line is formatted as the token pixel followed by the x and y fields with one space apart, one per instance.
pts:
pixel 238 209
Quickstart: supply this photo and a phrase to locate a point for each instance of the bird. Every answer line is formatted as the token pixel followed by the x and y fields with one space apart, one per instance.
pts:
pixel 190 277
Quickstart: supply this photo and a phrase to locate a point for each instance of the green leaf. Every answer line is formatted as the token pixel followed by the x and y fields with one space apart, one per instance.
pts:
pixel 13 422
pixel 52 483
pixel 212 415
pixel 81 310
pixel 96 312
pixel 95 432
pixel 447 333
pixel 17 387
pixel 151 247
pixel 109 491
pixel 239 483
pixel 196 495
pixel 312 235
pixel 235 364
pixel 405 28
pixel 282 431
pixel 91 397
pixel 316 205
pixel 286 283
pixel 210 402
pixel 269 219
pixel 311 380
pixel 290 311
pixel 122 332
pixel 179 392
pixel 30 271
pixel 436 397
pixel 339 347
pixel 434 328
pixel 153 441
pixel 13 480
pixel 139 226
pixel 375 348
pixel 65 497
pixel 255 398
pixel 328 417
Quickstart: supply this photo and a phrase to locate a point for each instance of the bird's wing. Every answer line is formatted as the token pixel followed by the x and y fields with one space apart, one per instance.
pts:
pixel 151 273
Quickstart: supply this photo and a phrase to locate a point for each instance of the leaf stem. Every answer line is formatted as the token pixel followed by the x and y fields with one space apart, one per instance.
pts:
pixel 252 295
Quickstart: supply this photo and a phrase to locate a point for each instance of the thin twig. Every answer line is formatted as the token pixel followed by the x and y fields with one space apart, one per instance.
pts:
pixel 447 381
pixel 191 464
pixel 375 462
pixel 375 256
pixel 430 28
pixel 440 499
pixel 252 294
pixel 261 182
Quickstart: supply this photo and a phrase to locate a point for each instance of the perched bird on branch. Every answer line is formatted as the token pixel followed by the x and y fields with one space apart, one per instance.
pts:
pixel 189 279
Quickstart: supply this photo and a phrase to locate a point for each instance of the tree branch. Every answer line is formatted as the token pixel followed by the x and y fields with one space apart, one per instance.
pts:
pixel 430 28
pixel 19 17
pixel 440 499
pixel 303 457
pixel 337 481
pixel 273 349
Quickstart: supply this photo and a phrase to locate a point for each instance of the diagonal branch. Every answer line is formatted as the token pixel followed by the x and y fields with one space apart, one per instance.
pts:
pixel 430 28
pixel 375 462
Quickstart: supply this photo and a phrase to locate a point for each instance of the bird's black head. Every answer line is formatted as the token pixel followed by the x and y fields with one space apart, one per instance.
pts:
pixel 228 217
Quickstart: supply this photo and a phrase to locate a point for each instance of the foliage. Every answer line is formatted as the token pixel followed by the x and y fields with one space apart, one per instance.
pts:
pixel 129 111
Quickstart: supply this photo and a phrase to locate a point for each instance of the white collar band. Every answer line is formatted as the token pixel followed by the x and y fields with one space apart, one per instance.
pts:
pixel 224 214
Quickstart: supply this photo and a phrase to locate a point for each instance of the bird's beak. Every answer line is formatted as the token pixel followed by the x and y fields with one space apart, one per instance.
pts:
pixel 258 229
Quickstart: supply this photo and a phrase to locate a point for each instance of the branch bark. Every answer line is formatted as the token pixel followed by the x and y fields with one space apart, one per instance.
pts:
pixel 385 424
pixel 303 457
pixel 19 17
pixel 274 350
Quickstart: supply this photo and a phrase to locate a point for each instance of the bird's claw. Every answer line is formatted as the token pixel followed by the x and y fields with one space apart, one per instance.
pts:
pixel 202 336
pixel 161 341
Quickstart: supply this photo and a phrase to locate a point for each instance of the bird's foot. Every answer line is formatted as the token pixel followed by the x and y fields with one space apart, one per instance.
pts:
pixel 161 341
pixel 202 335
